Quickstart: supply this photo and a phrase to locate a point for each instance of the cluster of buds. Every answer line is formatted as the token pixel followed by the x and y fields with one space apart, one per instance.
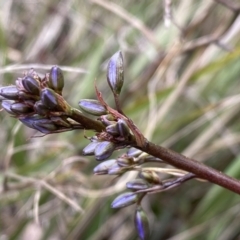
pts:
pixel 38 102
pixel 131 161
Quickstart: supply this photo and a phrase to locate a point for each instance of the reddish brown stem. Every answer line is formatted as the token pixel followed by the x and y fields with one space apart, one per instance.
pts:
pixel 193 166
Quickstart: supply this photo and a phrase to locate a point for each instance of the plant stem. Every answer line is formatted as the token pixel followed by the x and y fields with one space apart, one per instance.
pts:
pixel 192 166
pixel 86 122
pixel 173 158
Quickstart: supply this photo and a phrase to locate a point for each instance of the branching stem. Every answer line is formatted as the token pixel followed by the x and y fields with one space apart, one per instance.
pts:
pixel 193 166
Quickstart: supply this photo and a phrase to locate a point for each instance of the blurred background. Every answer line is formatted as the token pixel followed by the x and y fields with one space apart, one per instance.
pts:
pixel 182 89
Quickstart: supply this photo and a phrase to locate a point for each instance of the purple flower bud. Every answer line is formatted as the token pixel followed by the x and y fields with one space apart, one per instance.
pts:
pixel 56 79
pixel 104 150
pixel 115 74
pixel 133 152
pixel 29 120
pixel 115 169
pixel 39 123
pixel 123 128
pixel 54 101
pixel 21 108
pixel 45 126
pixel 90 148
pixel 141 224
pixel 9 92
pixel 112 129
pixel 92 106
pixel 7 107
pixel 137 184
pixel 40 108
pixel 103 167
pixel 31 85
pixel 125 200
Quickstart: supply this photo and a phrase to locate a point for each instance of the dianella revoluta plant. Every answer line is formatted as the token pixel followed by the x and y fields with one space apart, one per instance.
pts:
pixel 38 103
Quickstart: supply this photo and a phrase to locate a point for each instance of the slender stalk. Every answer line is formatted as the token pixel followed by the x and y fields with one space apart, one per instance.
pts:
pixel 193 166
pixel 86 122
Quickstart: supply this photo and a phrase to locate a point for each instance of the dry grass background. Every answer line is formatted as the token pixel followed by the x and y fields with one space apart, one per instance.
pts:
pixel 182 81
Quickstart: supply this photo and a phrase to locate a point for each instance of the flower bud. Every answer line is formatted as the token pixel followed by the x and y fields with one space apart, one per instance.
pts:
pixel 90 148
pixel 123 128
pixel 112 129
pixel 31 85
pixel 92 106
pixel 21 108
pixel 150 176
pixel 29 120
pixel 56 79
pixel 137 184
pixel 104 150
pixel 125 200
pixel 9 92
pixel 45 126
pixel 115 74
pixel 103 167
pixel 54 101
pixel 133 152
pixel 40 108
pixel 6 105
pixel 141 224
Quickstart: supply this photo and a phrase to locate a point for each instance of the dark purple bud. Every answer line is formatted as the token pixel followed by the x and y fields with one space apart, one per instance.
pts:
pixel 54 101
pixel 31 85
pixel 56 79
pixel 141 224
pixel 9 92
pixel 112 129
pixel 150 176
pixel 6 105
pixel 90 149
pixel 40 108
pixel 137 184
pixel 125 200
pixel 45 126
pixel 92 106
pixel 103 167
pixel 133 152
pixel 49 99
pixel 123 128
pixel 125 161
pixel 115 74
pixel 21 108
pixel 39 123
pixel 104 150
